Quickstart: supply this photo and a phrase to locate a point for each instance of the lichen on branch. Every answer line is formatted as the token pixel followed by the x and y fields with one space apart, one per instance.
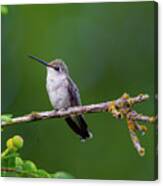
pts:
pixel 123 108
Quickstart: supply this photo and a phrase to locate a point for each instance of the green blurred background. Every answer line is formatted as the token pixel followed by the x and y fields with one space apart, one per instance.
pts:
pixel 109 48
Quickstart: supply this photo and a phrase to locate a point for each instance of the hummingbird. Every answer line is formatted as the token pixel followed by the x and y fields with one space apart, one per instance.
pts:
pixel 63 93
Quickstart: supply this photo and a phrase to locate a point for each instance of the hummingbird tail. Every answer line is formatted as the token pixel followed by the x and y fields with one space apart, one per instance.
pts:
pixel 73 125
pixel 81 129
pixel 84 128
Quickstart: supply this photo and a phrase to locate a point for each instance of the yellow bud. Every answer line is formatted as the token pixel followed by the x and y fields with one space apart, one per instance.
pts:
pixel 18 141
pixel 10 144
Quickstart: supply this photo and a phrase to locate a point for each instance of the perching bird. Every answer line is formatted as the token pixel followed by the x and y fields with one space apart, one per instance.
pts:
pixel 63 93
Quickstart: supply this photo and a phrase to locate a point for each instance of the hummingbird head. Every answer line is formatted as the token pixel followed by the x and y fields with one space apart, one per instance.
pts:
pixel 55 67
pixel 58 66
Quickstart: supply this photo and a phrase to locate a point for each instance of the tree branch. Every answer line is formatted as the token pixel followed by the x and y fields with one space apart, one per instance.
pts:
pixel 93 108
pixel 119 108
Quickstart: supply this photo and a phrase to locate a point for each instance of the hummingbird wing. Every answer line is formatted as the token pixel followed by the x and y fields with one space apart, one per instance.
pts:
pixel 77 123
pixel 73 93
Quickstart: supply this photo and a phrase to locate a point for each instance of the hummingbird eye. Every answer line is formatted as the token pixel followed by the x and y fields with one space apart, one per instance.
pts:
pixel 57 68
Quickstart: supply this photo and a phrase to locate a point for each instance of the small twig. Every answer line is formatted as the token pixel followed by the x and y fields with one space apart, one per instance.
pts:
pixel 8 169
pixel 120 108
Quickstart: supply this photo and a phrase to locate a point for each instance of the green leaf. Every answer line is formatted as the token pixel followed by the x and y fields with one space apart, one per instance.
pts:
pixel 14 166
pixel 19 163
pixel 4 10
pixel 8 174
pixel 61 175
pixel 11 154
pixel 8 162
pixel 29 166
pixel 3 174
pixel 43 174
pixel 7 118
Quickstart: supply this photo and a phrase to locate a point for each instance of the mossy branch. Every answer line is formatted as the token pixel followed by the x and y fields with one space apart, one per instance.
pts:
pixel 121 108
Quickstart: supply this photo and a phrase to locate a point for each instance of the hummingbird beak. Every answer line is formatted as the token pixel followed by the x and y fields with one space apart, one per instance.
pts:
pixel 39 60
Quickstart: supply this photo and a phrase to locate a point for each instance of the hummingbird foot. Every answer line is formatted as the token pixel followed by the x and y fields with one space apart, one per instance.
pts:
pixel 60 110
